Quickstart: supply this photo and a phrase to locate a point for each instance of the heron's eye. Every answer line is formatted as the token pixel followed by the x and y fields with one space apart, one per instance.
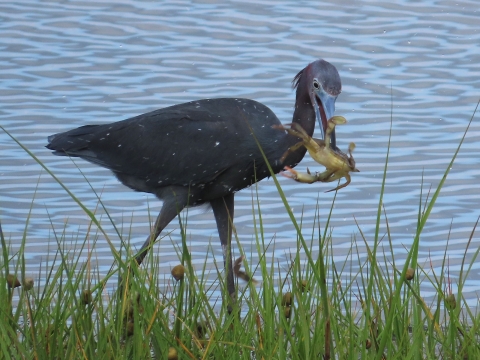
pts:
pixel 316 85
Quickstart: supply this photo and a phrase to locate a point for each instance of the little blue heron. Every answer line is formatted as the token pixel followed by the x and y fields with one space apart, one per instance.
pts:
pixel 204 151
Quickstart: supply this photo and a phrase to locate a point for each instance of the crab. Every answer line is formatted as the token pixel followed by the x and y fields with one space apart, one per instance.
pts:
pixel 337 163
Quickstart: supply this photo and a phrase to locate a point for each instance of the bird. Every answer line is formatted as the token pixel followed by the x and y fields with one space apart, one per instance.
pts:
pixel 204 151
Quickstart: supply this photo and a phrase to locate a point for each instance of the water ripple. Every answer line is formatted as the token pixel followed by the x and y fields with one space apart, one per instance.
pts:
pixel 75 63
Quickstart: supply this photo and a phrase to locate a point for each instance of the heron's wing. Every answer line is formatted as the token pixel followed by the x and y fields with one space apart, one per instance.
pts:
pixel 185 144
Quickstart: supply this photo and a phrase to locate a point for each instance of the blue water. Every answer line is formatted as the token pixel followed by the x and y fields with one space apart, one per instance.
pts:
pixel 63 65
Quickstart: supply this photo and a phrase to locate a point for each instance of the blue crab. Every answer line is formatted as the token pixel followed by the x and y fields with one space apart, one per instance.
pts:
pixel 337 163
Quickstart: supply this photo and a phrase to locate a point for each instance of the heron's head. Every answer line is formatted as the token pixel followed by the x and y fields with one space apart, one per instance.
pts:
pixel 321 81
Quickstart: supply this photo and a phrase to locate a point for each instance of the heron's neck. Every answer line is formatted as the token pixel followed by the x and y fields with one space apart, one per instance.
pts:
pixel 304 115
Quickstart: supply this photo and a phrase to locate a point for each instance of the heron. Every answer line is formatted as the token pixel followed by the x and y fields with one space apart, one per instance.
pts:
pixel 204 151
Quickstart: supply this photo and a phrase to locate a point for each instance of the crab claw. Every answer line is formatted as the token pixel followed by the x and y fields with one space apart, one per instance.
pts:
pixel 306 178
pixel 351 147
pixel 291 174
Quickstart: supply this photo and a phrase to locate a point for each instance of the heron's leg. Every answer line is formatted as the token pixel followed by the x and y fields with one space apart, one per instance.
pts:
pixel 173 202
pixel 172 206
pixel 223 212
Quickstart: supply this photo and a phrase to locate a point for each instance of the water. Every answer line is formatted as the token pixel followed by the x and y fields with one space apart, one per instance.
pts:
pixel 67 64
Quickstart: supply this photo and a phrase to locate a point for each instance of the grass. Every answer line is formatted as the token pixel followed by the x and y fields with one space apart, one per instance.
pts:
pixel 315 308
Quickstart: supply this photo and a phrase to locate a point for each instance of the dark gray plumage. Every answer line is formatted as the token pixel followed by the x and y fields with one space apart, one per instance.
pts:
pixel 203 151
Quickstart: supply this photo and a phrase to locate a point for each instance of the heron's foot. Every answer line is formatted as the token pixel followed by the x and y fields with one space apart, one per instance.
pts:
pixel 242 274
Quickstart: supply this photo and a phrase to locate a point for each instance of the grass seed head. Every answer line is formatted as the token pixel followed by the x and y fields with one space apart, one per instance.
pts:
pixel 200 330
pixel 287 299
pixel 410 274
pixel 28 283
pixel 86 297
pixel 305 286
pixel 172 354
pixel 178 272
pixel 12 281
pixel 129 328
pixel 450 301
